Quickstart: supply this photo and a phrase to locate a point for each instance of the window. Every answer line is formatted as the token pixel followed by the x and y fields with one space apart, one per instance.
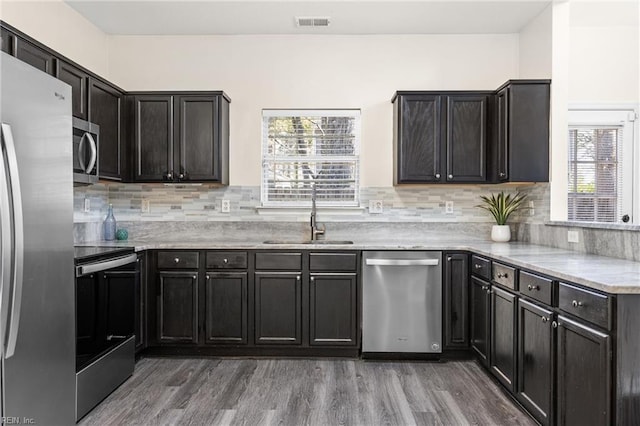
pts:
pixel 600 166
pixel 302 148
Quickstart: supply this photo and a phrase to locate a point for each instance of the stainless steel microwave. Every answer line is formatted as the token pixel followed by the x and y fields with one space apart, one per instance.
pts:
pixel 86 137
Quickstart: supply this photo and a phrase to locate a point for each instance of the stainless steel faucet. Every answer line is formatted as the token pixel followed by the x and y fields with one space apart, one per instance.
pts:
pixel 315 229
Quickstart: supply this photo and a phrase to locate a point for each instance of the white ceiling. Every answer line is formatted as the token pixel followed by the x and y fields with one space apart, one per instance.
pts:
pixel 278 16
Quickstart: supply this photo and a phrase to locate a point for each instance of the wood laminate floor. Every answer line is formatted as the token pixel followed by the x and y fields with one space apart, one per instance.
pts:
pixel 165 391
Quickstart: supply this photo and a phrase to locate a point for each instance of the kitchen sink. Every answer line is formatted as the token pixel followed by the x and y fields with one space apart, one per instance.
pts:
pixel 337 242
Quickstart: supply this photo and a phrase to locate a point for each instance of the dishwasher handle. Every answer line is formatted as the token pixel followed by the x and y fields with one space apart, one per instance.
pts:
pixel 402 262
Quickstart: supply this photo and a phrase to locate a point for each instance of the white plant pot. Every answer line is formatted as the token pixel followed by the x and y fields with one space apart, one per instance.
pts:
pixel 500 233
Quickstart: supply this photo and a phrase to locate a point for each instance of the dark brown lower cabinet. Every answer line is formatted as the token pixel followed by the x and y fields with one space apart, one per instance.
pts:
pixel 278 308
pixel 140 300
pixel 177 307
pixel 503 336
pixel 480 306
pixel 535 360
pixel 584 375
pixel 226 304
pixel 456 300
pixel 333 313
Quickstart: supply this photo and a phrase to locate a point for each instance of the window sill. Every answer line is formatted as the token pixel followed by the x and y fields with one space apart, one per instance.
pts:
pixel 297 210
pixel 595 225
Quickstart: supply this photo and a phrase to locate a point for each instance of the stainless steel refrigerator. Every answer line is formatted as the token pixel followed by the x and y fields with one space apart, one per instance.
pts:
pixel 37 302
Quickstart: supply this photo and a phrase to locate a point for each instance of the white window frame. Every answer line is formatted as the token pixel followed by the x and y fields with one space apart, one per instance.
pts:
pixel 267 113
pixel 626 118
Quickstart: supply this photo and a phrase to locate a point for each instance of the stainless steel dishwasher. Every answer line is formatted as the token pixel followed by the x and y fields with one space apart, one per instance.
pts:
pixel 402 302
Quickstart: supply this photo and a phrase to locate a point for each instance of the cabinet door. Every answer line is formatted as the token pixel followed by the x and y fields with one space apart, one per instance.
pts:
pixel 502 131
pixel 6 41
pixel 503 337
pixel 226 308
pixel 105 110
pixel 153 138
pixel 198 142
pixel 480 318
pixel 535 354
pixel 141 295
pixel 456 303
pixel 584 375
pixel 466 140
pixel 278 308
pixel 178 307
pixel 79 82
pixel 35 56
pixel 418 140
pixel 333 316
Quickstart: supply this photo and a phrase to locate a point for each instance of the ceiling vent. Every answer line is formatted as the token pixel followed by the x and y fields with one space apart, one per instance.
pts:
pixel 312 21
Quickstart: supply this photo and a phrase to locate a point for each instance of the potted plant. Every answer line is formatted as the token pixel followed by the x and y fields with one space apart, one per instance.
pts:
pixel 501 206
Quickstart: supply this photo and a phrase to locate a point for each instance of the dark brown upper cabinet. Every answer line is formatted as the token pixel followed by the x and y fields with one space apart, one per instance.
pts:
pixel 522 132
pixel 181 137
pixel 6 41
pixel 106 110
pixel 79 82
pixel 440 137
pixel 35 56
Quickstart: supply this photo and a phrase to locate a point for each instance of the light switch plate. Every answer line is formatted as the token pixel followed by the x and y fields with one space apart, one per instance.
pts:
pixel 87 205
pixel 448 207
pixel 145 206
pixel 376 206
pixel 226 206
pixel 573 237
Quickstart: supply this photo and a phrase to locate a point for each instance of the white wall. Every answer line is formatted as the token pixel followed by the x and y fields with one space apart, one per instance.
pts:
pixel 536 46
pixel 313 72
pixel 61 28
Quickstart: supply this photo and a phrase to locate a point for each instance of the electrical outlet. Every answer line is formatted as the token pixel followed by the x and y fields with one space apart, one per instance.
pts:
pixel 145 206
pixel 226 206
pixel 87 205
pixel 448 207
pixel 376 206
pixel 532 210
pixel 573 237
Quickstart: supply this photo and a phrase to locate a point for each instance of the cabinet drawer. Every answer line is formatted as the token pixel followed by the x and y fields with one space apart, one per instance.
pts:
pixel 279 261
pixel 177 260
pixel 585 304
pixel 481 267
pixel 333 261
pixel 226 260
pixel 536 287
pixel 504 275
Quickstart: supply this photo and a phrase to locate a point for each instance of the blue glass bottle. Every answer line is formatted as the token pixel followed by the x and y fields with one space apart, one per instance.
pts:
pixel 109 225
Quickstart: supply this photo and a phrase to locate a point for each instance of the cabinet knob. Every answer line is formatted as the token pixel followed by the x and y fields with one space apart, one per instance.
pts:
pixel 437 175
pixel 181 176
pixel 545 319
pixel 225 261
pixel 477 266
pixel 450 176
pixel 195 277
pixel 169 175
pixel 449 258
pixel 177 260
pixel 501 275
pixel 576 304
pixel 208 277
pixel 297 277
pixel 533 287
pixel 488 291
pixel 313 279
pixel 554 324
pixel 502 174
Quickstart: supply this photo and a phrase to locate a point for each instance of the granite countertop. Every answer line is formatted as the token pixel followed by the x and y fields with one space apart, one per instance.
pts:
pixel 611 275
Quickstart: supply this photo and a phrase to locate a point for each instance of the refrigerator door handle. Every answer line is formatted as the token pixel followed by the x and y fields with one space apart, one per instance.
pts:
pixel 6 240
pixel 18 242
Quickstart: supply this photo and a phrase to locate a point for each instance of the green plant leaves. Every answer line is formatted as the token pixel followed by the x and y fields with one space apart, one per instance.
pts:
pixel 501 206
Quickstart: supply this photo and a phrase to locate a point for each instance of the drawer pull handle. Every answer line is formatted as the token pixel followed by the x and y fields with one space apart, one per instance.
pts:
pixel 533 287
pixel 501 275
pixel 177 260
pixel 225 261
pixel 576 304
pixel 477 266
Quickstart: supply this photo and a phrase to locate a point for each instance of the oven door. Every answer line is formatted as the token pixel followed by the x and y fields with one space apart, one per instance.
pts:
pixel 85 152
pixel 105 307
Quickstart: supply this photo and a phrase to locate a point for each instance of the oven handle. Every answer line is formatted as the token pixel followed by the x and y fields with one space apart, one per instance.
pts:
pixel 103 266
pixel 403 262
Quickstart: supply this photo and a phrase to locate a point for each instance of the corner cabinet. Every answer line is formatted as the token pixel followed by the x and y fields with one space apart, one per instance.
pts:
pixel 522 132
pixel 440 137
pixel 181 137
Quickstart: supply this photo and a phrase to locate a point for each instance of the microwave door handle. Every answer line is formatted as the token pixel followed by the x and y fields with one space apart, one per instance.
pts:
pixel 83 140
pixel 18 242
pixel 94 153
